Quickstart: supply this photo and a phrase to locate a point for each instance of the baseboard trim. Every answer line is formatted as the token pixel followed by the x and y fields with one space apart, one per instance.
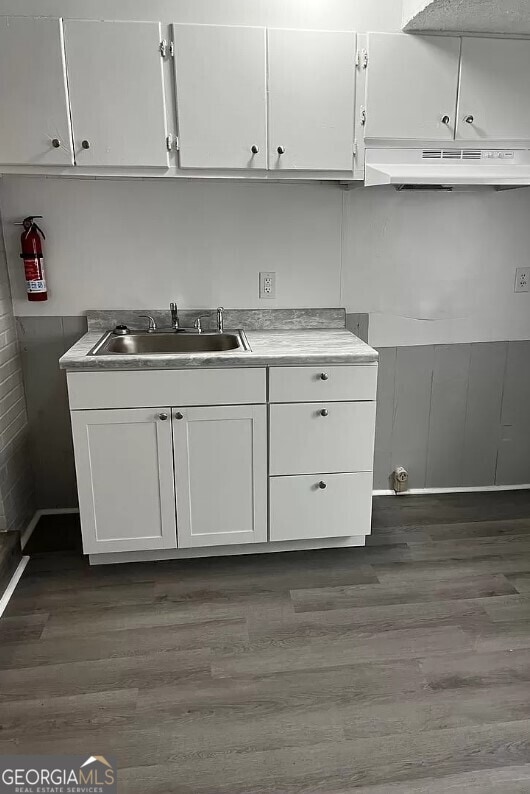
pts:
pixel 47 511
pixel 10 589
pixel 469 489
pixel 52 511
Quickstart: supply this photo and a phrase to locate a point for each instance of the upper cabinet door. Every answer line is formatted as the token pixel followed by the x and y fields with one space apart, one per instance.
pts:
pixel 116 93
pixel 35 122
pixel 221 96
pixel 411 87
pixel 494 98
pixel 311 100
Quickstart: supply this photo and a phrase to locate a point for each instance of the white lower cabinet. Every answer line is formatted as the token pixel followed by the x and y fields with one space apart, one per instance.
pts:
pixel 221 475
pixel 124 463
pixel 190 476
pixel 320 506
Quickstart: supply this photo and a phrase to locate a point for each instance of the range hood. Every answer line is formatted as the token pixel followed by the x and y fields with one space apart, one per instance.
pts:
pixel 450 168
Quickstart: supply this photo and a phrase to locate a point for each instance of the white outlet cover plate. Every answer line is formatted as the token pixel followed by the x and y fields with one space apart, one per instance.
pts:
pixel 267 284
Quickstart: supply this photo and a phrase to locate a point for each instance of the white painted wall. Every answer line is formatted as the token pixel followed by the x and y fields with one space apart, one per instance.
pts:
pixel 120 243
pixel 359 15
pixel 437 268
pixel 429 268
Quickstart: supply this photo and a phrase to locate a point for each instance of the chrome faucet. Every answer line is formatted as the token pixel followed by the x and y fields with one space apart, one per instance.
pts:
pixel 220 320
pixel 173 308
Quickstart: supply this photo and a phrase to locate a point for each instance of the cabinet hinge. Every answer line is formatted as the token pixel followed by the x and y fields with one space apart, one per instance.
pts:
pixel 361 59
pixel 172 143
pixel 362 116
pixel 166 48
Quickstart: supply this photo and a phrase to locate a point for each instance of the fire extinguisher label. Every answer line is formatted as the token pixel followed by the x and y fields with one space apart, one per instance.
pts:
pixel 35 281
pixel 36 286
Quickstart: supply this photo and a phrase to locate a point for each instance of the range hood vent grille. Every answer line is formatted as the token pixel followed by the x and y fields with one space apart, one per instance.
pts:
pixel 451 154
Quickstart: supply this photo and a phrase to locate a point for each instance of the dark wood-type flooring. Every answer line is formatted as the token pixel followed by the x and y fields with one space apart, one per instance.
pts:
pixel 400 668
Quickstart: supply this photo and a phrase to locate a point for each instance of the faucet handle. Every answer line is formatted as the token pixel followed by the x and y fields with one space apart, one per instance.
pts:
pixel 152 323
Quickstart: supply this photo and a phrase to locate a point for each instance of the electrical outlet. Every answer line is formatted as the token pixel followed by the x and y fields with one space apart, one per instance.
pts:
pixel 522 279
pixel 267 285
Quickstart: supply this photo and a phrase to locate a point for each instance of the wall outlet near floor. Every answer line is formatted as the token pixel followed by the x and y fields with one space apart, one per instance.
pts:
pixel 267 285
pixel 522 279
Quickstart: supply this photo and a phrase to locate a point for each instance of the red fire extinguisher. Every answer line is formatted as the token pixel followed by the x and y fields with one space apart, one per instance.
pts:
pixel 33 259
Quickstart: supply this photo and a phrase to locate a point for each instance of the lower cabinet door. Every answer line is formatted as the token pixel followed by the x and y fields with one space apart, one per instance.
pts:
pixel 320 506
pixel 221 475
pixel 124 463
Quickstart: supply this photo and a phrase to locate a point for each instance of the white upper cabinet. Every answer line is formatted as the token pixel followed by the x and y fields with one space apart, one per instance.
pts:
pixel 116 93
pixel 35 124
pixel 221 475
pixel 221 96
pixel 494 100
pixel 411 88
pixel 311 100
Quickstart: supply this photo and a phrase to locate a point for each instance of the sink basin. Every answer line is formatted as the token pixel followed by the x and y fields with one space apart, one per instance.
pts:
pixel 160 343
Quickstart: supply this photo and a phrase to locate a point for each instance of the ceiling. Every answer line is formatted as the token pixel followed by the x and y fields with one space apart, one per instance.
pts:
pixel 509 17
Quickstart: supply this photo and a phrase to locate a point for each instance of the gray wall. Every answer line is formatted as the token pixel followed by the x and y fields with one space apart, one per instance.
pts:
pixel 454 415
pixel 42 341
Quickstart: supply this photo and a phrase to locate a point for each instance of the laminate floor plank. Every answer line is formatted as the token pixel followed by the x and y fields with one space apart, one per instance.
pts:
pixel 326 598
pixel 506 780
pixel 464 670
pixel 214 634
pixel 21 628
pixel 358 648
pixel 77 678
pixel 63 715
pixel 330 767
pixel 300 690
pixel 84 598
pixel 450 568
pixel 399 668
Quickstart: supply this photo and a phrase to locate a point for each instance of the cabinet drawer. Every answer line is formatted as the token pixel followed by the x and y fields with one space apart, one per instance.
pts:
pixel 300 509
pixel 321 437
pixel 307 384
pixel 181 387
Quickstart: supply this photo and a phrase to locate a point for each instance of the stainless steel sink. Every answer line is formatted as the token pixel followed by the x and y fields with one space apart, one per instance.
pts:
pixel 137 343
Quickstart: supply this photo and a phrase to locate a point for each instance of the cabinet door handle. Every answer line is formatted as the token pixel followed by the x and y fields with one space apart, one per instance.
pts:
pixel 322 485
pixel 85 144
pixel 254 149
pixel 56 143
pixel 178 415
pixel 324 412
pixel 446 119
pixel 324 376
pixel 162 417
pixel 469 119
pixel 281 149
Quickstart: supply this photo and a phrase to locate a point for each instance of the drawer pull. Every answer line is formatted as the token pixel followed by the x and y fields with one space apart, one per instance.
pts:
pixel 324 412
pixel 322 484
pixel 324 376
